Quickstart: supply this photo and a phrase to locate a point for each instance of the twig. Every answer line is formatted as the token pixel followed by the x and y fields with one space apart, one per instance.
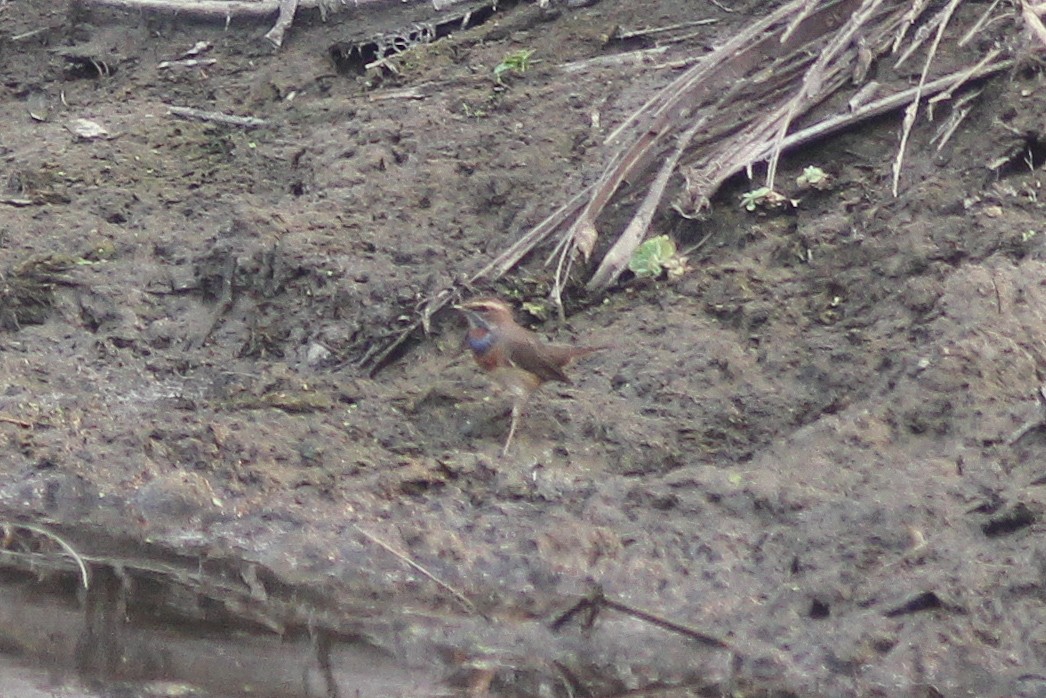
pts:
pixel 458 596
pixel 224 9
pixel 406 93
pixel 963 77
pixel 978 24
pixel 30 34
pixel 945 135
pixel 247 122
pixel 1029 13
pixel 658 116
pixel 880 106
pixel 283 22
pixel 800 16
pixel 721 6
pixel 616 259
pixel 697 635
pixel 813 85
pixel 633 57
pixel 217 9
pixel 921 36
pixel 17 422
pixel 624 36
pixel 913 14
pixel 84 576
pixel 385 63
pixel 913 108
pixel 591 605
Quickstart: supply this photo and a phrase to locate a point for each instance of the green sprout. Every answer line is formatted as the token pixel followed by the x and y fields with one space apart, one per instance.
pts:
pixel 655 256
pixel 764 197
pixel 814 178
pixel 517 62
pixel 538 309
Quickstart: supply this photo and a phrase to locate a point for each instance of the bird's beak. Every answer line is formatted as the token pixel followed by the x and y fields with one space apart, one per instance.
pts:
pixel 474 318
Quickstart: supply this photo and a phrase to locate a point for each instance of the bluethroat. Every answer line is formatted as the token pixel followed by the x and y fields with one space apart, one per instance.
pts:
pixel 515 357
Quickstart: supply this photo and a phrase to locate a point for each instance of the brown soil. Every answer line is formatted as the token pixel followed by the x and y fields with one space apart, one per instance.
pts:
pixel 803 446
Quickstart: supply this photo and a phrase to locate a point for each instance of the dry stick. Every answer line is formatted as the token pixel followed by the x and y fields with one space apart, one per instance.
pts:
pixel 738 151
pixel 921 36
pixel 914 12
pixel 721 6
pixel 654 118
pixel 406 93
pixel 881 106
pixel 16 422
pixel 228 9
pixel 697 635
pixel 202 8
pixel 558 282
pixel 283 23
pixel 1028 13
pixel 510 257
pixel 661 30
pixel 978 24
pixel 40 530
pixel 964 76
pixel 813 80
pixel 744 149
pixel 458 596
pixel 30 34
pixel 615 261
pixel 659 116
pixel 633 121
pixel 622 249
pixel 247 122
pixel 225 8
pixel 617 258
pixel 952 126
pixel 616 59
pixel 913 108
pixel 798 19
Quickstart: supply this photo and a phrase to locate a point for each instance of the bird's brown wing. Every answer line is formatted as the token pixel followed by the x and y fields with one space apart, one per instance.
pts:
pixel 544 361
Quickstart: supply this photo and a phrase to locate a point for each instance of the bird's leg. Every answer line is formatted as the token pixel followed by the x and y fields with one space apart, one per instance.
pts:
pixel 517 408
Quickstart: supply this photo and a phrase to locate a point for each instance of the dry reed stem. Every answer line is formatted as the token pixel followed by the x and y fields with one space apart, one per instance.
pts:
pixel 913 108
pixel 458 596
pixel 40 530
pixel 1032 17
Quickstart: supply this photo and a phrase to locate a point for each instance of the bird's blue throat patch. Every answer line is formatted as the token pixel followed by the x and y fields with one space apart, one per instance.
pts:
pixel 480 341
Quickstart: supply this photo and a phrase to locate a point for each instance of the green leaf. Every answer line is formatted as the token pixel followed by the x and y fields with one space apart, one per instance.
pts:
pixel 650 258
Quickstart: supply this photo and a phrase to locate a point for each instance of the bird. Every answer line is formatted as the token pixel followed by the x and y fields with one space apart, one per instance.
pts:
pixel 517 359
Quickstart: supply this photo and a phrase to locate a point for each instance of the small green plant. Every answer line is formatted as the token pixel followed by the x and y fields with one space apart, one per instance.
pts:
pixel 814 177
pixel 517 62
pixel 538 309
pixel 765 197
pixel 655 256
pixel 473 112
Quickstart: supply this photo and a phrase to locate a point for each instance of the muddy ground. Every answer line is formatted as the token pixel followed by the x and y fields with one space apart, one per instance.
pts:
pixel 807 447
